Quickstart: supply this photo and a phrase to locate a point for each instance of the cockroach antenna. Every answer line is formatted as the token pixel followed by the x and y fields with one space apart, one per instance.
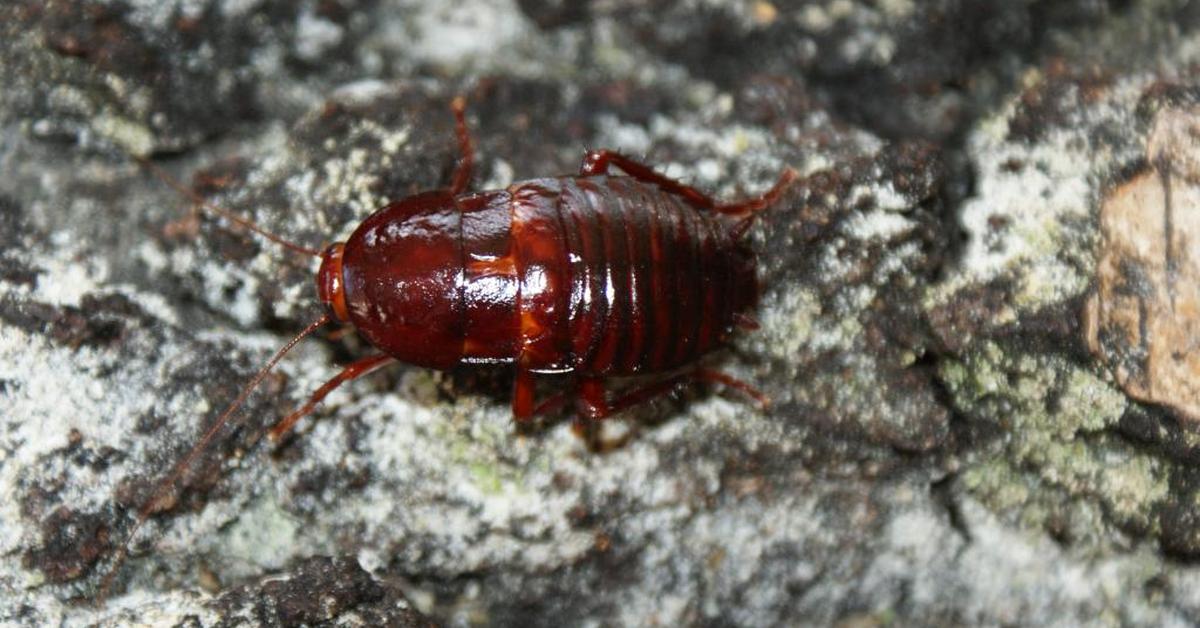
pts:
pixel 190 194
pixel 160 491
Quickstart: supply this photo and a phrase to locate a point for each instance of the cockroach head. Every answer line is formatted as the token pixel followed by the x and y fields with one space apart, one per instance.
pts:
pixel 330 288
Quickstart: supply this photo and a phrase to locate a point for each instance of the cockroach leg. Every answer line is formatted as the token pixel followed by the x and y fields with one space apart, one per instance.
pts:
pixel 523 398
pixel 340 333
pixel 462 172
pixel 594 404
pixel 353 371
pixel 597 162
pixel 762 201
pixel 593 400
pixel 752 206
pixel 553 404
pixel 717 377
pixel 746 322
pixel 524 387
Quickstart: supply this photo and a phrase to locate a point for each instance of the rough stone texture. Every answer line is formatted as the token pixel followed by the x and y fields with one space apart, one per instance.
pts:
pixel 943 447
pixel 314 592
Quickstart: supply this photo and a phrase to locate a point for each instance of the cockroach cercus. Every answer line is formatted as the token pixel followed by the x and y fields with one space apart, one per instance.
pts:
pixel 595 275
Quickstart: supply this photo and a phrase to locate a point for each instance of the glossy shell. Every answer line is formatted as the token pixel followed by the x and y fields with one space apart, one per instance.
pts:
pixel 595 275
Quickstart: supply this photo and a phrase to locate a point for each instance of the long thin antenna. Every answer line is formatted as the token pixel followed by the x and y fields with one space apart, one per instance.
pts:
pixel 182 466
pixel 224 213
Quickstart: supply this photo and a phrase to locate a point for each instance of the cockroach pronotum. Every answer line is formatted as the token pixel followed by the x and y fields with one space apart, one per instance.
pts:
pixel 595 275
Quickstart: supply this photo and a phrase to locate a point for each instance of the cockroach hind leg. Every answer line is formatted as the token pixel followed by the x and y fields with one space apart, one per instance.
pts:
pixel 752 207
pixel 597 162
pixel 746 322
pixel 593 400
pixel 729 381
pixel 766 199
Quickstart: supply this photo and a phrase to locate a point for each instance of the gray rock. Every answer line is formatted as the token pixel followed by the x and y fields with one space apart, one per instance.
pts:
pixel 942 448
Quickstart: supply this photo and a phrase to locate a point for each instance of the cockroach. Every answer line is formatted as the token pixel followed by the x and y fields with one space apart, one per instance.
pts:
pixel 595 275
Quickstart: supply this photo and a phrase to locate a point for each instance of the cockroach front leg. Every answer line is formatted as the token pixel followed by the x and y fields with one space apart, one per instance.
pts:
pixel 352 371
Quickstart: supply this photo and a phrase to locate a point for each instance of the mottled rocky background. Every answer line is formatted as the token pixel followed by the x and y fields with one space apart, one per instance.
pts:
pixel 980 330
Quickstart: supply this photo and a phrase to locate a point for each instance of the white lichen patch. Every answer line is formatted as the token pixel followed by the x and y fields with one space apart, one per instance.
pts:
pixel 457 478
pixel 1064 445
pixel 350 179
pixel 746 149
pixel 157 14
pixel 627 138
pixel 133 137
pixel 147 608
pixel 484 35
pixel 999 560
pixel 66 278
pixel 1054 185
pixel 492 497
pixel 238 8
pixel 263 536
pixel 53 391
pixel 1032 219
pixel 93 398
pixel 315 36
pixel 448 34
pixel 879 225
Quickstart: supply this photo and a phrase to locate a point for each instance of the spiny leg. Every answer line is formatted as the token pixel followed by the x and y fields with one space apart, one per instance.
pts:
pixel 762 201
pixel 552 404
pixel 717 377
pixel 523 398
pixel 462 172
pixel 352 371
pixel 596 162
pixel 754 205
pixel 746 322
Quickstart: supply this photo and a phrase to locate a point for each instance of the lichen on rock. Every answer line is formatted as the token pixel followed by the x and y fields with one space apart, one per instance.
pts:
pixel 944 446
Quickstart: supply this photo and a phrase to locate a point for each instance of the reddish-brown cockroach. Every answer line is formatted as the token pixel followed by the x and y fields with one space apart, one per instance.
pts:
pixel 595 275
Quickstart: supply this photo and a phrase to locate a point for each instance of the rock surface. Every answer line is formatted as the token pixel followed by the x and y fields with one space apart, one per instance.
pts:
pixel 966 428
